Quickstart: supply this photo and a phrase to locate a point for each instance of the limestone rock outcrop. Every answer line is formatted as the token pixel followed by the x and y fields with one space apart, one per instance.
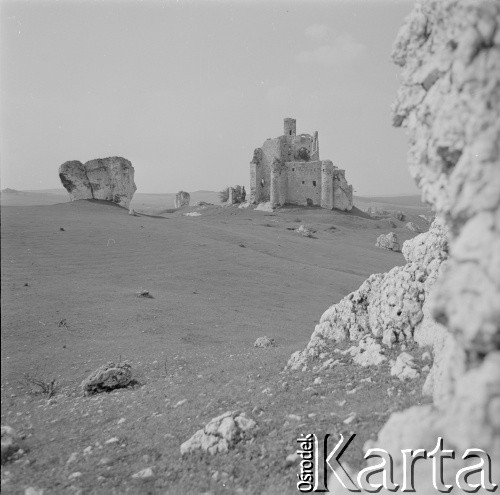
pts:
pixel 182 198
pixel 404 367
pixel 109 179
pixel 107 377
pixel 388 241
pixel 220 433
pixel 387 306
pixel 449 102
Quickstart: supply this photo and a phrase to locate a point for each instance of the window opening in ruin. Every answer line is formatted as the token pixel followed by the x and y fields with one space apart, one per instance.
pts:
pixel 303 182
pixel 314 183
pixel 290 133
pixel 309 202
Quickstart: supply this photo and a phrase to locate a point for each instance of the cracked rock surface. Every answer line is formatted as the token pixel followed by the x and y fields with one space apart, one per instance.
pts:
pixel 109 179
pixel 449 102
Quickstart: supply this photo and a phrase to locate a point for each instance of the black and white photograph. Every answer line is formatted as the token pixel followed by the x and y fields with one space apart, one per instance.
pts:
pixel 250 247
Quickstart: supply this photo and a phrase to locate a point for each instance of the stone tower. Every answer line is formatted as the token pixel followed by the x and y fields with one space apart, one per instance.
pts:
pixel 290 127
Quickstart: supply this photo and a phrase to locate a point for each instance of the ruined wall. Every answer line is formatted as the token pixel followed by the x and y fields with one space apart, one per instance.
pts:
pixel 304 181
pixel 327 184
pixel 271 150
pixel 278 183
pixel 342 191
pixel 298 143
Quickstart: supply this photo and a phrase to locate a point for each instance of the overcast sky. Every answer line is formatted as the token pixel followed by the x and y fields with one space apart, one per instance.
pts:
pixel 186 90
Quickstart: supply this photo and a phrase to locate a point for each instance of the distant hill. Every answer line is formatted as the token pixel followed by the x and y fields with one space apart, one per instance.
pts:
pixel 403 200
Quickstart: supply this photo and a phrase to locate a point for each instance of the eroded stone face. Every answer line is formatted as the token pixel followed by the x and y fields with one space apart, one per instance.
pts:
pixel 108 179
pixel 449 51
pixel 388 305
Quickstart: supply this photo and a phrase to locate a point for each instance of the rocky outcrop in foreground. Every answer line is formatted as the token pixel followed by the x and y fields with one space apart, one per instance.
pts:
pixel 387 306
pixel 108 179
pixel 449 101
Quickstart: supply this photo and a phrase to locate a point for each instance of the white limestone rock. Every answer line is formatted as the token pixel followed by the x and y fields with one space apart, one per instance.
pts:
pixel 368 352
pixel 388 241
pixel 182 198
pixel 9 443
pixel 220 433
pixel 449 102
pixel 264 207
pixel 404 368
pixel 109 179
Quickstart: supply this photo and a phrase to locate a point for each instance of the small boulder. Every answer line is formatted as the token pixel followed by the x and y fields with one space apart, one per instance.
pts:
pixel 143 474
pixel 399 215
pixel 264 342
pixel 9 443
pixel 107 378
pixel 220 434
pixel 404 367
pixel 388 241
pixel 304 231
pixel 182 198
pixel 413 227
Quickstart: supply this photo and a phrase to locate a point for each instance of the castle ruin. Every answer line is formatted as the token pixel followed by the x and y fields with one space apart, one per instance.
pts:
pixel 287 170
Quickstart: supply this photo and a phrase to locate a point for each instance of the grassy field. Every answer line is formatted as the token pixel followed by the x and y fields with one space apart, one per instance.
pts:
pixel 70 274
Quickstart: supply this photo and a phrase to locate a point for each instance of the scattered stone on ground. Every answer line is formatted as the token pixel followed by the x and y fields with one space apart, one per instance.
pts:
pixel 144 293
pixel 264 342
pixel 305 231
pixel 404 367
pixel 264 207
pixel 192 214
pixel 388 241
pixel 143 474
pixel 107 378
pixel 220 433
